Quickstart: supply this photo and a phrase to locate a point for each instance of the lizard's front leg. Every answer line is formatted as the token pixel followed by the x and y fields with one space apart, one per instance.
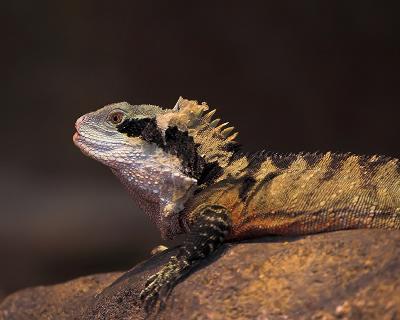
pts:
pixel 207 233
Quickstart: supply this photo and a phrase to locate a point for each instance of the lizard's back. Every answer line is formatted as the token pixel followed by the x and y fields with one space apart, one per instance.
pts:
pixel 308 193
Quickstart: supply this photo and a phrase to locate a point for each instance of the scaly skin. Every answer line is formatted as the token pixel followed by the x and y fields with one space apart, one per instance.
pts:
pixel 189 175
pixel 334 193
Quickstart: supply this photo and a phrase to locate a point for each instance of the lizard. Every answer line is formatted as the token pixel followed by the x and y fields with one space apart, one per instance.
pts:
pixel 190 175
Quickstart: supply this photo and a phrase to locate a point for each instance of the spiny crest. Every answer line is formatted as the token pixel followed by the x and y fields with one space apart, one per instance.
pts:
pixel 215 141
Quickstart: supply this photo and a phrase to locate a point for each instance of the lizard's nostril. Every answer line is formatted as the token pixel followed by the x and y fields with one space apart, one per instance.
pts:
pixel 79 121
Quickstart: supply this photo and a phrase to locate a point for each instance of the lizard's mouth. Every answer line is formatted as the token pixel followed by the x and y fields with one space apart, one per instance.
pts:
pixel 75 137
pixel 78 140
pixel 94 147
pixel 82 143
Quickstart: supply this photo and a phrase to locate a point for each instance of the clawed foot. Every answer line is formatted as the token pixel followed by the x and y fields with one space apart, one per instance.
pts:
pixel 158 286
pixel 207 234
pixel 151 292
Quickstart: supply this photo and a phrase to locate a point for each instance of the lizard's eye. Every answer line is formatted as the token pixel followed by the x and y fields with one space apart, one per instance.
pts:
pixel 116 117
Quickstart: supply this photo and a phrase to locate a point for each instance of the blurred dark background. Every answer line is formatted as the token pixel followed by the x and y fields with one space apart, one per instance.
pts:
pixel 291 76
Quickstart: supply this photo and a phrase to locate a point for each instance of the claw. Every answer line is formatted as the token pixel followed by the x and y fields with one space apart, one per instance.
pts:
pixel 149 297
pixel 152 291
pixel 150 303
pixel 150 280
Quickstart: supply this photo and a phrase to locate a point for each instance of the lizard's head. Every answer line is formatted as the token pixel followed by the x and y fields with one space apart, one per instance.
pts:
pixel 116 132
pixel 162 155
pixel 112 134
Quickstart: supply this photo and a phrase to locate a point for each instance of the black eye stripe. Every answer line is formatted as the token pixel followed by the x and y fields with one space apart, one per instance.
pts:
pixel 177 142
pixel 134 127
pixel 152 133
pixel 145 127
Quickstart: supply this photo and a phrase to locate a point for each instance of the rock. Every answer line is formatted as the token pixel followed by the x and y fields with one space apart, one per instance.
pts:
pixel 339 275
pixel 62 301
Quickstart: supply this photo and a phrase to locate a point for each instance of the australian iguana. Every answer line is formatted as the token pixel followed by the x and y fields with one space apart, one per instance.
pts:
pixel 188 173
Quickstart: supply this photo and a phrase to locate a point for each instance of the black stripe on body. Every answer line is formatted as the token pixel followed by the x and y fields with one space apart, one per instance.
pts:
pixel 283 161
pixel 250 195
pixel 235 149
pixel 182 145
pixel 312 158
pixel 373 166
pixel 334 165
pixel 245 186
pixel 255 160
pixel 210 172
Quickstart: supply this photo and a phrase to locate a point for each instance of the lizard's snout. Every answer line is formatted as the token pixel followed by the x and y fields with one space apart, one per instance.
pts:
pixel 79 122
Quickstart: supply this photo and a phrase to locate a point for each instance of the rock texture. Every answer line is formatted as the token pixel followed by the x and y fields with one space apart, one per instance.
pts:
pixel 341 275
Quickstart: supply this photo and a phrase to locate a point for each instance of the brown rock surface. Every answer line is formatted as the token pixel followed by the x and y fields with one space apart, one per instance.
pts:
pixel 340 275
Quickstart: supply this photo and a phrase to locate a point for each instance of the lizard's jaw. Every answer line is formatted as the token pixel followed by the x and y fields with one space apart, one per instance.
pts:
pixel 93 148
pixel 115 154
pixel 79 142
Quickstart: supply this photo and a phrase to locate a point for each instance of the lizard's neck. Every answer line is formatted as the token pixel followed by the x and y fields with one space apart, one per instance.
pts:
pixel 159 188
pixel 146 198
